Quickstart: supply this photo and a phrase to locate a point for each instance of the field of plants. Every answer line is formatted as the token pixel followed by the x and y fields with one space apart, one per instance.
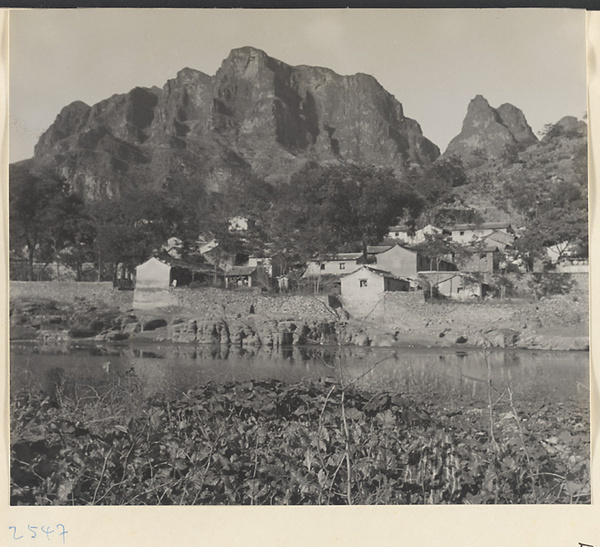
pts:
pixel 266 442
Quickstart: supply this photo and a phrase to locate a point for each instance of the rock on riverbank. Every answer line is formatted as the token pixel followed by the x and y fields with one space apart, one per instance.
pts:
pixel 558 323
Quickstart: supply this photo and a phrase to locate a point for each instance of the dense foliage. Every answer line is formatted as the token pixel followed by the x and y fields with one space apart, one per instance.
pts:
pixel 343 207
pixel 268 442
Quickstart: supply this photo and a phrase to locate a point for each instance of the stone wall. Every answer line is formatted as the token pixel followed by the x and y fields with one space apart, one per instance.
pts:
pixel 392 303
pixel 70 292
pixel 410 311
pixel 220 303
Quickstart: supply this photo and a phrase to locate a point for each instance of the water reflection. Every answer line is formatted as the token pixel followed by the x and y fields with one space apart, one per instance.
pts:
pixel 441 373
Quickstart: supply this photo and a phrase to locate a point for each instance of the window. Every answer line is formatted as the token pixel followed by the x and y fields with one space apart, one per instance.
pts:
pixel 342 265
pixel 322 266
pixel 363 282
pixel 462 233
pixel 397 234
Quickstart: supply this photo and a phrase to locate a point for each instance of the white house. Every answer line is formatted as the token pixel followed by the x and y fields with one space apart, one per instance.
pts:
pixel 152 282
pixel 205 246
pixel 560 251
pixel 339 264
pixel 499 239
pixel 238 224
pixel 467 233
pixel 173 247
pixel 246 277
pixel 273 265
pixel 370 284
pixel 402 234
pixel 455 285
pixel 404 262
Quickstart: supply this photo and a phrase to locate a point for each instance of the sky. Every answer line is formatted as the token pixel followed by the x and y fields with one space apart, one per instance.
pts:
pixel 433 61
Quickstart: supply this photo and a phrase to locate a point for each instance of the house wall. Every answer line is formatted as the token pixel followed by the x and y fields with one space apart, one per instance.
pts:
pixel 400 235
pixel 458 288
pixel 453 285
pixel 419 237
pixel 265 263
pixel 332 267
pixel 399 261
pixel 467 236
pixel 152 281
pixel 391 284
pixel 481 262
pixel 499 239
pixel 153 274
pixel 353 289
pixel 449 287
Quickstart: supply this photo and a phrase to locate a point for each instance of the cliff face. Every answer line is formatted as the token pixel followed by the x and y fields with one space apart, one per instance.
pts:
pixel 489 133
pixel 256 115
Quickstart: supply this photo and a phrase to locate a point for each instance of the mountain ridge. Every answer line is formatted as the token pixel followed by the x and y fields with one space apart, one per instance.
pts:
pixel 257 115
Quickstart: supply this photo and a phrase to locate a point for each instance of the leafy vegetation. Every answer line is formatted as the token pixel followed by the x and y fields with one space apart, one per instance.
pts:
pixel 267 442
pixel 327 209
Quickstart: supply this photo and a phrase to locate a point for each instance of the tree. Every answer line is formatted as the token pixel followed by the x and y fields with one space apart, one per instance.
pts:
pixel 325 209
pixel 129 227
pixel 81 247
pixel 40 207
pixel 436 248
pixel 435 186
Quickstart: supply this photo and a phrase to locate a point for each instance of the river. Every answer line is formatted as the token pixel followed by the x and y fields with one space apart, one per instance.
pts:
pixel 445 374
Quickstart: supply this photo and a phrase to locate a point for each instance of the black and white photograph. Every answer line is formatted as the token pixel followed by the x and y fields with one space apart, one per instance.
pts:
pixel 298 257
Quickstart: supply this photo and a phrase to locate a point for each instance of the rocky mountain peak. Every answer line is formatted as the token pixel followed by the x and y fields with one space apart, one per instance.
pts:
pixel 256 115
pixel 488 132
pixel 514 119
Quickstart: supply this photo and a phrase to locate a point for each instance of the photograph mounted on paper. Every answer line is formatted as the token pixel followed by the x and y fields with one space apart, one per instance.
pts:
pixel 311 257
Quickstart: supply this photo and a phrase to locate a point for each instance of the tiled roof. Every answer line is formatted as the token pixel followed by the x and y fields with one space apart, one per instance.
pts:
pixel 376 271
pixel 240 270
pixel 376 249
pixel 484 226
pixel 339 256
pixel 486 249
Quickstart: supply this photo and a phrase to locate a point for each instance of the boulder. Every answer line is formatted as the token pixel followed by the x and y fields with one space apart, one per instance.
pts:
pixel 183 332
pixel 153 323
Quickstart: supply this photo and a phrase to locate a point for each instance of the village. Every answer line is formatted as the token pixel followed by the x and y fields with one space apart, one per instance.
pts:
pixel 467 261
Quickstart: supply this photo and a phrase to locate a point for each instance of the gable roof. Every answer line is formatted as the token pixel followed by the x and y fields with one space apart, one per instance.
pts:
pixel 240 271
pixel 500 237
pixel 483 226
pixel 337 257
pixel 379 249
pixel 486 249
pixel 153 261
pixel 168 260
pixel 376 271
pixel 376 249
pixel 451 275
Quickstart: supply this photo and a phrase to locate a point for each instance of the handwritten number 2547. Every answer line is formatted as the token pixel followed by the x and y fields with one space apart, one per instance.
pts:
pixel 46 530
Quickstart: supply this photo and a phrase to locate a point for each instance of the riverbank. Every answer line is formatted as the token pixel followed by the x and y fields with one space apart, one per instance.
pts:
pixel 211 316
pixel 267 442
